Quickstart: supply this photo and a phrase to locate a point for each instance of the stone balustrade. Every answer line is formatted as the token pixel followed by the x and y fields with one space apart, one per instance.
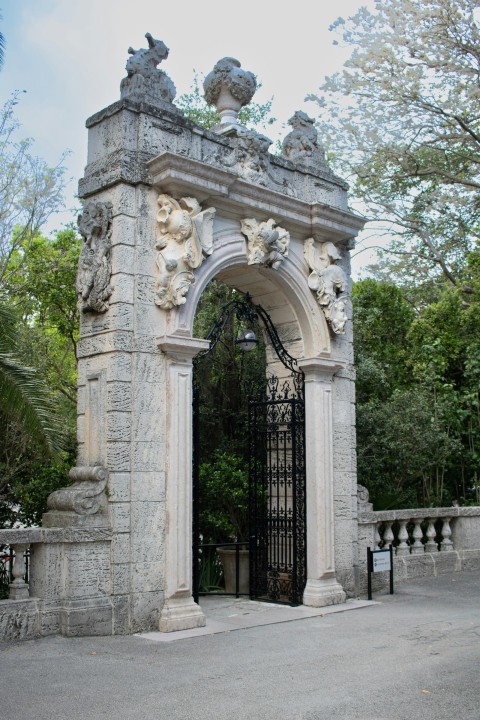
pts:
pixel 68 586
pixel 426 541
pixel 19 542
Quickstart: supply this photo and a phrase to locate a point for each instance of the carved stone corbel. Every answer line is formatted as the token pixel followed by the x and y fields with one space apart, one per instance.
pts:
pixel 185 240
pixel 85 496
pixel 328 281
pixel 267 243
pixel 94 264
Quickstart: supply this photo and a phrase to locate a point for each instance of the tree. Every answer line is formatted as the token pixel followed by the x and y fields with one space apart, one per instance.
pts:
pixel 402 122
pixel 42 287
pixel 30 191
pixel 32 430
pixel 418 393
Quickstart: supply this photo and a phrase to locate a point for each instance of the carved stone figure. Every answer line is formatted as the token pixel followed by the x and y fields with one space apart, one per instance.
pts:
pixel 144 80
pixel 186 239
pixel 267 243
pixel 229 88
pixel 85 496
pixel 363 499
pixel 328 281
pixel 301 144
pixel 94 264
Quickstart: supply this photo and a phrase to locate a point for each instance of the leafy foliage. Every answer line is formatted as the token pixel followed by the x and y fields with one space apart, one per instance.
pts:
pixel 193 104
pixel 224 498
pixel 418 404
pixel 37 317
pixel 30 191
pixel 401 121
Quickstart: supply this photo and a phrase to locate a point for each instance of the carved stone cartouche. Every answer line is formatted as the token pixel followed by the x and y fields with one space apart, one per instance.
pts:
pixel 229 88
pixel 94 265
pixel 328 281
pixel 185 240
pixel 86 496
pixel 301 144
pixel 144 80
pixel 267 243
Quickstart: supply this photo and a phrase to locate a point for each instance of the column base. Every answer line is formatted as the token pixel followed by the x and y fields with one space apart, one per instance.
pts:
pixel 322 592
pixel 181 613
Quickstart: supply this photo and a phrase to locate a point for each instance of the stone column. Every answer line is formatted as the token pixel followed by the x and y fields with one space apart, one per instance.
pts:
pixel 322 587
pixel 179 612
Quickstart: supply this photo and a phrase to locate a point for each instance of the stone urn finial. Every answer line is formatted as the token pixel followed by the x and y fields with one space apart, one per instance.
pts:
pixel 229 88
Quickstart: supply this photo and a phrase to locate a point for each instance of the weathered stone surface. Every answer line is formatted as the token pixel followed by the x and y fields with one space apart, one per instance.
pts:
pixel 119 367
pixel 119 396
pixel 148 577
pixel 89 616
pixel 119 487
pixel 120 550
pixel 148 486
pixel 119 426
pixel 120 517
pixel 19 620
pixel 121 578
pixel 122 289
pixel 145 611
pixel 121 614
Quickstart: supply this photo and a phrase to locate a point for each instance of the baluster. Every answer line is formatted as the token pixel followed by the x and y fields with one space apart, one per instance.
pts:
pixel 388 536
pixel 431 545
pixel 417 547
pixel 403 548
pixel 376 537
pixel 446 545
pixel 19 588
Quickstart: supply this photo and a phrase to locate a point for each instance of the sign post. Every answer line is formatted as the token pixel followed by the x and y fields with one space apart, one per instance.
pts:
pixel 379 561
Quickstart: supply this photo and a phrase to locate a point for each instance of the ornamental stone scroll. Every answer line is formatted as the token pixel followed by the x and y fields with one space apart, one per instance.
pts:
pixel 94 264
pixel 85 495
pixel 328 281
pixel 185 240
pixel 267 243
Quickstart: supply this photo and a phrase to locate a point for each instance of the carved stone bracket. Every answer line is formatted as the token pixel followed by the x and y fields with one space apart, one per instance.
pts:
pixel 328 281
pixel 185 240
pixel 94 265
pixel 85 496
pixel 267 243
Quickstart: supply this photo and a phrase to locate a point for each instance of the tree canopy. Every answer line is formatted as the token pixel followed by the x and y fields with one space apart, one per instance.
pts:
pixel 402 123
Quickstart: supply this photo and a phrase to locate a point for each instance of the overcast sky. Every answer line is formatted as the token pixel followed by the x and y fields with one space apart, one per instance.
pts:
pixel 70 55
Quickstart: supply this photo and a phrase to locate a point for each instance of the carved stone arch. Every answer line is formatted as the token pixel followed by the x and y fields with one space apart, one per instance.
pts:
pixel 283 293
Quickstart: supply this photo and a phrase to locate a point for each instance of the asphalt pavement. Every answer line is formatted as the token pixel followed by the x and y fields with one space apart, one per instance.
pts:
pixel 414 655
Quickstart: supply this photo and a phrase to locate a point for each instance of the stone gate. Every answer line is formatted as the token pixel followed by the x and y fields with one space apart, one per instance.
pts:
pixel 167 207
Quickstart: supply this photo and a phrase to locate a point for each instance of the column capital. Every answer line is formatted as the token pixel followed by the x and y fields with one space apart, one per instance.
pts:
pixel 181 347
pixel 318 368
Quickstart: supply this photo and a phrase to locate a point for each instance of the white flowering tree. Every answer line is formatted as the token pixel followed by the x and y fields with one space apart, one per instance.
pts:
pixel 402 123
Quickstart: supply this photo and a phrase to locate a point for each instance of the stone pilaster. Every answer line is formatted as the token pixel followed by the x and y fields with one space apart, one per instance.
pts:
pixel 179 612
pixel 322 587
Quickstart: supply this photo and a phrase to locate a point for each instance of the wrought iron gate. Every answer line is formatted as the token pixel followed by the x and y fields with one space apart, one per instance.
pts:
pixel 277 488
pixel 277 492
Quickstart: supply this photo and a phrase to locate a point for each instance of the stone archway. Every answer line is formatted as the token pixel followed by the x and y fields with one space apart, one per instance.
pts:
pixel 302 325
pixel 169 206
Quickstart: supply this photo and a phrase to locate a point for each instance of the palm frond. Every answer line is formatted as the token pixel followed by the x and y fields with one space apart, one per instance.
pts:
pixel 25 398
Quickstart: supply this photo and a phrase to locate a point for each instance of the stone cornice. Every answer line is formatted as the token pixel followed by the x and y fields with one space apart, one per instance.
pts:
pixel 180 175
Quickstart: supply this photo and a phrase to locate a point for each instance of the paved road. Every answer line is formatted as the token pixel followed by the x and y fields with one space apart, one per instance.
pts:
pixel 414 656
